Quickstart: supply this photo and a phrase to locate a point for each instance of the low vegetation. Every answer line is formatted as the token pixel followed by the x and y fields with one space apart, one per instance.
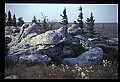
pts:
pixel 106 70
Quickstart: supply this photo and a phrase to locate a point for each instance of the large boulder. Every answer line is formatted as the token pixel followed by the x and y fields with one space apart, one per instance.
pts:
pixel 29 55
pixel 82 39
pixel 98 41
pixel 8 39
pixel 111 51
pixel 17 30
pixel 23 44
pixel 74 30
pixel 62 31
pixel 14 54
pixel 112 43
pixel 9 30
pixel 88 58
pixel 59 52
pixel 25 31
pixel 34 59
pixel 31 29
pixel 24 25
pixel 50 37
pixel 12 77
pixel 67 51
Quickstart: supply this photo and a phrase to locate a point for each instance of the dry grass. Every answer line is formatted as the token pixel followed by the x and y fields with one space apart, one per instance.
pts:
pixel 40 71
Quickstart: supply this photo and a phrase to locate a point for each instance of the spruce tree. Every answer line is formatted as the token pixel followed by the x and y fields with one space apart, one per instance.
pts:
pixel 20 21
pixel 9 21
pixel 44 23
pixel 5 18
pixel 14 20
pixel 90 23
pixel 80 17
pixel 34 20
pixel 65 19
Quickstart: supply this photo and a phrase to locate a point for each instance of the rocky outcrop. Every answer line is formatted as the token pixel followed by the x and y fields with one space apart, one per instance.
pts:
pixel 109 47
pixel 88 58
pixel 63 45
pixel 110 51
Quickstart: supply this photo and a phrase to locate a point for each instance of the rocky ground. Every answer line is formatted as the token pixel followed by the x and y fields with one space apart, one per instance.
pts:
pixel 27 45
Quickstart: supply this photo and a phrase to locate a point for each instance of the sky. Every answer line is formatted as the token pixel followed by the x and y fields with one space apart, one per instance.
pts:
pixel 103 13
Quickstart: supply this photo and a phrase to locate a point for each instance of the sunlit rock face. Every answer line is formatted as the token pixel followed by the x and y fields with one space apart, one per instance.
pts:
pixel 74 30
pixel 20 48
pixel 50 37
pixel 29 56
pixel 88 58
pixel 27 30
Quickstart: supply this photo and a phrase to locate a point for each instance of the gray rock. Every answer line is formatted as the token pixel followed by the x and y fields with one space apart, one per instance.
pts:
pixel 98 41
pixel 67 51
pixel 30 55
pixel 25 31
pixel 81 38
pixel 59 52
pixel 111 51
pixel 25 25
pixel 112 43
pixel 35 58
pixel 12 58
pixel 13 41
pixel 7 39
pixel 31 29
pixel 16 53
pixel 15 30
pixel 23 44
pixel 21 51
pixel 62 31
pixel 74 30
pixel 88 58
pixel 12 77
pixel 50 37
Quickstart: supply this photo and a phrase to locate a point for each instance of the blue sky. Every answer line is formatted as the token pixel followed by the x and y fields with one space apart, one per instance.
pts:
pixel 103 13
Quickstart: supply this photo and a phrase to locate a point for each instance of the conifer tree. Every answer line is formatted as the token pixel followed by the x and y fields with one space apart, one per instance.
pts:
pixel 65 19
pixel 9 20
pixel 20 21
pixel 44 22
pixel 90 23
pixel 80 17
pixel 14 20
pixel 5 18
pixel 34 20
pixel 80 21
